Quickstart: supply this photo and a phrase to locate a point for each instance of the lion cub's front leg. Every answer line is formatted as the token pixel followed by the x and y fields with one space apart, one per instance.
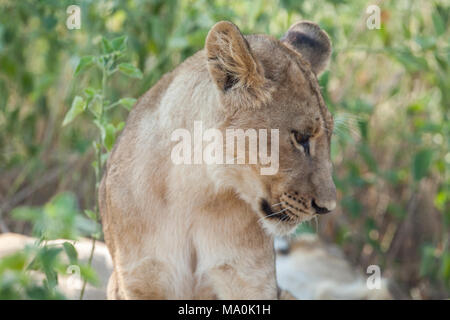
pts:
pixel 239 282
pixel 236 257
pixel 243 283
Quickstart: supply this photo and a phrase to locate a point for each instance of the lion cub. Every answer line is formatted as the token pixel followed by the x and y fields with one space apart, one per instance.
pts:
pixel 205 231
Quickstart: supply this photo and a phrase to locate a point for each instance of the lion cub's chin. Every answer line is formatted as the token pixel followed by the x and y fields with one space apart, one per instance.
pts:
pixel 283 228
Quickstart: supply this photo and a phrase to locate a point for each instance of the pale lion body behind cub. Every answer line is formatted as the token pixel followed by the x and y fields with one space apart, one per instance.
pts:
pixel 205 231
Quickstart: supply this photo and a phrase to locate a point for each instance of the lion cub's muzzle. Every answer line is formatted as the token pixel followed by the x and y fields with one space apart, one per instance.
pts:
pixel 298 205
pixel 293 208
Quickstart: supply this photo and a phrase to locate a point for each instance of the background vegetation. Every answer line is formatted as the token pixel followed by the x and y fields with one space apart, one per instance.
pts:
pixel 389 90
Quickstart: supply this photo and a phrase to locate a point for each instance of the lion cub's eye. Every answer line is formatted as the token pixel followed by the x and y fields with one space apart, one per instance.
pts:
pixel 301 140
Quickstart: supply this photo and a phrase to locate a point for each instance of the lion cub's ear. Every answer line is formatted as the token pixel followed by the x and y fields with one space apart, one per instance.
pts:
pixel 230 61
pixel 311 42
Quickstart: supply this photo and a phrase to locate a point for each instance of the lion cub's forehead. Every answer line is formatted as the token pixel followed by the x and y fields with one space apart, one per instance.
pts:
pixel 272 54
pixel 281 65
pixel 300 94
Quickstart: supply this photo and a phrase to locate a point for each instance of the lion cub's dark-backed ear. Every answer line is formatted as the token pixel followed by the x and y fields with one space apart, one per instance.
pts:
pixel 311 42
pixel 230 61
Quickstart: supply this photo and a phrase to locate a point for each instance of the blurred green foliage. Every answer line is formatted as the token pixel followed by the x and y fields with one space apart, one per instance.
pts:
pixel 388 88
pixel 20 272
pixel 58 219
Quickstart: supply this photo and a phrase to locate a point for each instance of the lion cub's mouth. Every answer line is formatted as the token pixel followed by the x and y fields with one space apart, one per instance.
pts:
pixel 285 211
pixel 296 204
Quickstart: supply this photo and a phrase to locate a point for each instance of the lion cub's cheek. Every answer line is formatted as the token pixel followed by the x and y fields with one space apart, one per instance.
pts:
pixel 241 179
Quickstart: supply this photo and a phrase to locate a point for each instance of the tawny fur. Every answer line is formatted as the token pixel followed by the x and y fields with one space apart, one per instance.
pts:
pixel 198 231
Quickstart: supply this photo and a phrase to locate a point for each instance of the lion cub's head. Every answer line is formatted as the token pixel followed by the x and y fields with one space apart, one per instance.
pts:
pixel 265 83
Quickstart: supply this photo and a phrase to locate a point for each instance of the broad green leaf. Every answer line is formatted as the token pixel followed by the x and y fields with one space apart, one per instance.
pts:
pixel 89 92
pixel 96 106
pixel 85 62
pixel 128 103
pixel 445 267
pixel 110 136
pixel 130 70
pixel 120 126
pixel 51 280
pixel 410 61
pixel 107 45
pixel 90 214
pixel 86 226
pixel 119 43
pixel 26 213
pixel 48 256
pixel 55 220
pixel 71 252
pixel 439 25
pixel 78 106
pixel 426 42
pixel 15 261
pixel 421 163
pixel 88 273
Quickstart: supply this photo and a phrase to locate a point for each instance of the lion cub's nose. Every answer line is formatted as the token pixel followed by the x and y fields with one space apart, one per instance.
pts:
pixel 323 208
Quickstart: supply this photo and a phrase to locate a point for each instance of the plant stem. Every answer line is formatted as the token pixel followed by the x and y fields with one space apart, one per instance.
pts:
pixel 98 176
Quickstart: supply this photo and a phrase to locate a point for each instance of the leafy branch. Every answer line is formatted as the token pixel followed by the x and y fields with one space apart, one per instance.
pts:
pixel 96 104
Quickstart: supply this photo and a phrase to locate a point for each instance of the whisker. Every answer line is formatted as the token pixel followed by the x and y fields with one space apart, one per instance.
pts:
pixel 270 215
pixel 275 213
pixel 282 210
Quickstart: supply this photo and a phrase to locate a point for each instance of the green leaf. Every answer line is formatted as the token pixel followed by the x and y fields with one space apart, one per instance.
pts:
pixel 26 213
pixel 89 92
pixel 421 163
pixel 51 280
pixel 71 252
pixel 15 261
pixel 445 267
pixel 55 220
pixel 78 106
pixel 119 43
pixel 90 214
pixel 89 274
pixel 85 62
pixel 128 103
pixel 120 126
pixel 411 62
pixel 107 45
pixel 426 43
pixel 110 136
pixel 439 25
pixel 95 106
pixel 130 70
